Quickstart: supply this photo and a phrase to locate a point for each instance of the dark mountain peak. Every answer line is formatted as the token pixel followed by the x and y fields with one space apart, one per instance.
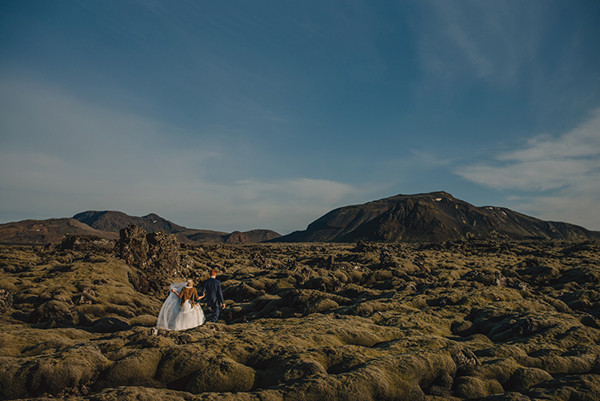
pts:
pixel 108 223
pixel 114 221
pixel 90 216
pixel 427 195
pixel 429 217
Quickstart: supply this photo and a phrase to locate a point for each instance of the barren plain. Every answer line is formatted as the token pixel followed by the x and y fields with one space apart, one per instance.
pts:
pixel 462 320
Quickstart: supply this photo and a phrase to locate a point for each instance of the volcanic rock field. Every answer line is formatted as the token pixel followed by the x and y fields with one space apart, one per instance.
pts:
pixel 460 320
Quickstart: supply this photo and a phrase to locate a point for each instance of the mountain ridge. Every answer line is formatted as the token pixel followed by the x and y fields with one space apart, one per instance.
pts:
pixel 430 217
pixel 427 217
pixel 114 221
pixel 47 231
pixel 107 224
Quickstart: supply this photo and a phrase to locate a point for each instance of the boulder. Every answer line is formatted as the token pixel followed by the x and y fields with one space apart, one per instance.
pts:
pixel 525 378
pixel 221 375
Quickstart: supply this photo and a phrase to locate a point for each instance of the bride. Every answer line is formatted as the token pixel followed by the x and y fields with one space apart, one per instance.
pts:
pixel 180 311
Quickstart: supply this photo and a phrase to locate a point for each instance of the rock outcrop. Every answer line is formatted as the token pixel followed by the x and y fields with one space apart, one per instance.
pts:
pixel 154 256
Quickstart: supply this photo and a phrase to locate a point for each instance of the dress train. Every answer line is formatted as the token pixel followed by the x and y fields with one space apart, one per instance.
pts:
pixel 174 316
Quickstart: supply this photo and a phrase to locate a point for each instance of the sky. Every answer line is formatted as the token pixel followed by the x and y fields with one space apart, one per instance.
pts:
pixel 267 114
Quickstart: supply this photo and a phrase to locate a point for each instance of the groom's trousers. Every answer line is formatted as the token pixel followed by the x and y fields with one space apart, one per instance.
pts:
pixel 216 311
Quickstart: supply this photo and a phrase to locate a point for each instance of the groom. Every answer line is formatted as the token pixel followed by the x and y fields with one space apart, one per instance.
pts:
pixel 214 295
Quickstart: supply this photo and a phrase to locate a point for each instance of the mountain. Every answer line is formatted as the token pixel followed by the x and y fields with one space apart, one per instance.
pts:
pixel 115 221
pixel 46 231
pixel 430 217
pixel 252 236
pixel 107 224
pixel 192 236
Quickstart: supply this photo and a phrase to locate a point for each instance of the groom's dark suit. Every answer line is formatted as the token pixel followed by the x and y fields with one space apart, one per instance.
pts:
pixel 214 297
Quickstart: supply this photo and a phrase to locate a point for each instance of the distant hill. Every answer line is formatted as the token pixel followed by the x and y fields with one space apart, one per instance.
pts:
pixel 47 231
pixel 431 217
pixel 252 236
pixel 217 237
pixel 107 224
pixel 115 221
pixel 203 236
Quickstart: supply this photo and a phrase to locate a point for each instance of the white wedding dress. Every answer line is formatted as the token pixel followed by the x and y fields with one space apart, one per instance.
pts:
pixel 174 316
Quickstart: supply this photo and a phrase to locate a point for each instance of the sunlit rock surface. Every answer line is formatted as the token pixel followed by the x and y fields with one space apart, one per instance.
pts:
pixel 463 320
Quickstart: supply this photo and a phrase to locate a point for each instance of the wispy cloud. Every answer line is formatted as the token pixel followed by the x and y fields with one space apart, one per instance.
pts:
pixel 290 204
pixel 491 40
pixel 63 154
pixel 559 176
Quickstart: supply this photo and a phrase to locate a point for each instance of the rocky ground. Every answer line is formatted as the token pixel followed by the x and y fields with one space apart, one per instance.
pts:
pixel 454 321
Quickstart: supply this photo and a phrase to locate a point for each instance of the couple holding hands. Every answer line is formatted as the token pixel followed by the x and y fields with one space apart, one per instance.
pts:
pixel 181 310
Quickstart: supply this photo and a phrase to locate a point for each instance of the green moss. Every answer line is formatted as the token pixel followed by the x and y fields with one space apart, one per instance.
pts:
pixel 137 369
pixel 319 321
pixel 222 375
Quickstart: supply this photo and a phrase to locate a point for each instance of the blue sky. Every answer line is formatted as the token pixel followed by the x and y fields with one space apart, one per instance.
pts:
pixel 236 115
